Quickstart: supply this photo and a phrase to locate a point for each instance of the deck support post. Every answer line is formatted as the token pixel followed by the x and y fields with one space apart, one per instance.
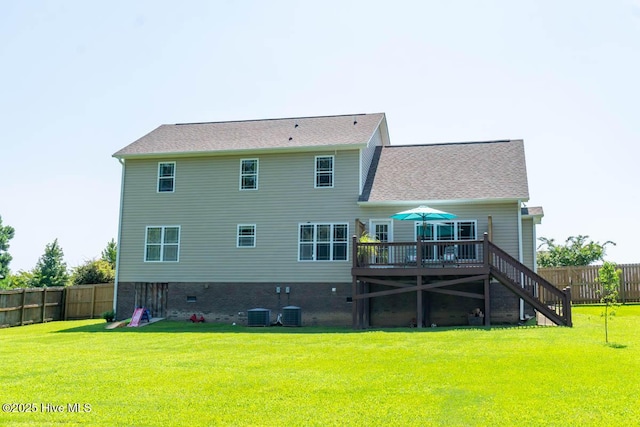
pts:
pixel 354 302
pixel 487 301
pixel 355 285
pixel 366 311
pixel 360 306
pixel 420 311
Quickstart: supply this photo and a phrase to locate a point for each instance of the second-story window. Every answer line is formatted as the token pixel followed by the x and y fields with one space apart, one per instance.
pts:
pixel 166 177
pixel 249 174
pixel 324 172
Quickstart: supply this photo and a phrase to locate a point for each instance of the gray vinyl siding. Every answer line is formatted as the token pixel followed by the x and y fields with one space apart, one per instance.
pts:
pixel 208 205
pixel 367 156
pixel 504 216
pixel 528 244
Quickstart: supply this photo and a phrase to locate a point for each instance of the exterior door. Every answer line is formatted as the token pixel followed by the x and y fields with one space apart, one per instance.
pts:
pixel 381 230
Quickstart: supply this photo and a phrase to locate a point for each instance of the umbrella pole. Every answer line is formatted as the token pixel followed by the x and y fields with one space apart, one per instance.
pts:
pixel 424 237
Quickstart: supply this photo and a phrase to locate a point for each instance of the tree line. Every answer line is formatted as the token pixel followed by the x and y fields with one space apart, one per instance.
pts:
pixel 51 269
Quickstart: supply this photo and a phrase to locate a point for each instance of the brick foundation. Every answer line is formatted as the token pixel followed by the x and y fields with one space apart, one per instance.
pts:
pixel 229 302
pixel 319 303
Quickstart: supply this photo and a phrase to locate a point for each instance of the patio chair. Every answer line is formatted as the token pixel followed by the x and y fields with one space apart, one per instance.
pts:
pixel 449 255
pixel 410 256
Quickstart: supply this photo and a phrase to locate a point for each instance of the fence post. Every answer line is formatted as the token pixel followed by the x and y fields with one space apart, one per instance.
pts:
pixel 621 288
pixel 24 295
pixel 64 303
pixel 44 303
pixel 93 302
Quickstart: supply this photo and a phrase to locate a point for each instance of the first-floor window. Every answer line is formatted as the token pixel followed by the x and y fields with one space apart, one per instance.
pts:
pixel 162 244
pixel 448 231
pixel 246 235
pixel 322 242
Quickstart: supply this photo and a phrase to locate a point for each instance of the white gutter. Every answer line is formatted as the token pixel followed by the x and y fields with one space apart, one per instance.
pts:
pixel 244 151
pixel 119 239
pixel 520 253
pixel 396 203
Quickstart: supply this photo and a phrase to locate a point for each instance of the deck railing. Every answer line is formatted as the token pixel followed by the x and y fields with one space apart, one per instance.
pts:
pixel 533 288
pixel 453 253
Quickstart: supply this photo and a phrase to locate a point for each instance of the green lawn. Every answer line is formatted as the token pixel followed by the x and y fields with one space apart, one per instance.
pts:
pixel 178 373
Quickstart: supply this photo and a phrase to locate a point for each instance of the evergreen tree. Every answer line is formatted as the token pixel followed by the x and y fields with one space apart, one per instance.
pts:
pixel 110 253
pixel 51 270
pixel 6 233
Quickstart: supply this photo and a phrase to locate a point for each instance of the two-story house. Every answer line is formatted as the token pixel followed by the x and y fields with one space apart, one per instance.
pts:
pixel 219 218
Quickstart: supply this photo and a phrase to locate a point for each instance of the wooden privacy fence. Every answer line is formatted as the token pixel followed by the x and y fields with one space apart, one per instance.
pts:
pixel 38 305
pixel 584 282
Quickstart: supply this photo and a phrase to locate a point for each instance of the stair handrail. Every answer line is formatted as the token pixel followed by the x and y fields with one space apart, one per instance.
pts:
pixel 564 296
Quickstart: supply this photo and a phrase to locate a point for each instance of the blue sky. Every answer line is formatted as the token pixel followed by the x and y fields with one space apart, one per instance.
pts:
pixel 82 79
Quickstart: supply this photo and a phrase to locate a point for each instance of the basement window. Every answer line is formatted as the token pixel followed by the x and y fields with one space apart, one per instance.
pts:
pixel 191 299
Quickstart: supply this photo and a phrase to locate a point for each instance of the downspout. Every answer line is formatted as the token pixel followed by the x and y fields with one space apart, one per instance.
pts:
pixel 116 280
pixel 520 253
pixel 360 183
pixel 535 249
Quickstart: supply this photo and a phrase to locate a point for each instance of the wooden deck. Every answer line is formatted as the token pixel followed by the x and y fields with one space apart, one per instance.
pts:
pixel 436 266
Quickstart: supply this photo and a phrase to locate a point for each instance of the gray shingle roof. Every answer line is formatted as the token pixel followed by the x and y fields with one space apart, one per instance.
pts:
pixel 446 172
pixel 532 211
pixel 271 134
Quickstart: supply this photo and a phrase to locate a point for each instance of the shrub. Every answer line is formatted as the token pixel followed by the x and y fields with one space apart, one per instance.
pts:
pixel 109 316
pixel 94 271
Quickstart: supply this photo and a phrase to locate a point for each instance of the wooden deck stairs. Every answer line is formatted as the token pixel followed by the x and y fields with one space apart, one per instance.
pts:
pixel 544 297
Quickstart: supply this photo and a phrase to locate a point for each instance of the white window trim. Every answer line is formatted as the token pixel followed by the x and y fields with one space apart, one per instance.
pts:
pixel 315 241
pixel 256 174
pixel 255 236
pixel 165 177
pixel 333 171
pixel 454 221
pixel 387 221
pixel 162 244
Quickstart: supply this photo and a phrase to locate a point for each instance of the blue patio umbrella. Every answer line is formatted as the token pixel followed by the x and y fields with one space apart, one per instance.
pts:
pixel 424 214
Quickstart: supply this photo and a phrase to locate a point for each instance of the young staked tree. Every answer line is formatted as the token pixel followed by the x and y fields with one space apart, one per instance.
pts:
pixel 6 233
pixel 576 251
pixel 51 270
pixel 609 279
